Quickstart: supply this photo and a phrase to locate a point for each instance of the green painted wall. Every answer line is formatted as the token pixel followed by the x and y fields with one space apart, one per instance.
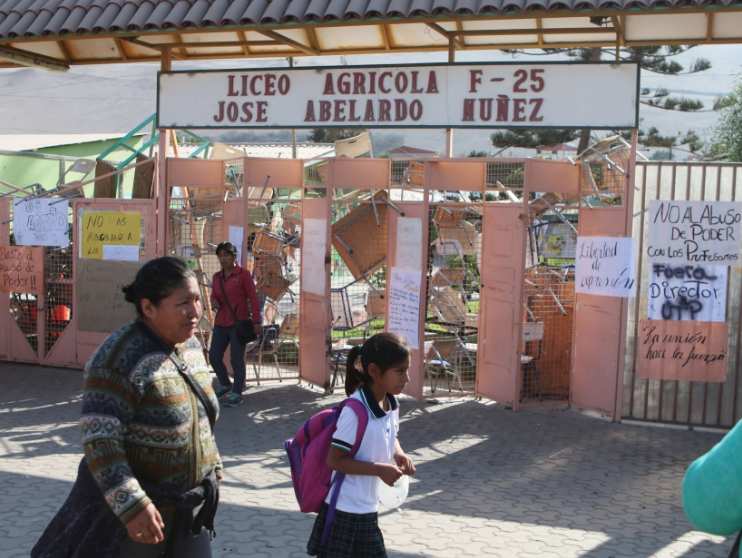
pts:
pixel 22 171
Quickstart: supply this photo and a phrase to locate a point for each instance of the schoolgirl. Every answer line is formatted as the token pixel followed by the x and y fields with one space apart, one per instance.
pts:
pixel 376 373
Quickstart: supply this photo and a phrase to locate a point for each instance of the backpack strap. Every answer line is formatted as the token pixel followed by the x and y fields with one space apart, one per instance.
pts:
pixel 360 410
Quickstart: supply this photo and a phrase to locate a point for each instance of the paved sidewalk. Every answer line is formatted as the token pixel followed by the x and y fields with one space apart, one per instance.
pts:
pixel 490 482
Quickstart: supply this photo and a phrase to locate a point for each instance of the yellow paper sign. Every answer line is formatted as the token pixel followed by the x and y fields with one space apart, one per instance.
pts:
pixel 109 228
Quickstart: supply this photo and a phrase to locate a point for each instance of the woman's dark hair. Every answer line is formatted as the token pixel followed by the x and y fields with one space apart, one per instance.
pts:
pixel 227 247
pixel 385 350
pixel 157 279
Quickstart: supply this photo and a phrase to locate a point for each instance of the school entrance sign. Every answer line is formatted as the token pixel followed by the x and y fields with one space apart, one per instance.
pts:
pixel 537 95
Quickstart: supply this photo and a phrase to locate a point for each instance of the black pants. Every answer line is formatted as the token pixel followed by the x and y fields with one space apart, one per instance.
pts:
pixel 195 546
pixel 222 337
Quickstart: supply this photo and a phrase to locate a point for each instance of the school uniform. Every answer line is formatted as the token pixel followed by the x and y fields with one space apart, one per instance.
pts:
pixel 354 532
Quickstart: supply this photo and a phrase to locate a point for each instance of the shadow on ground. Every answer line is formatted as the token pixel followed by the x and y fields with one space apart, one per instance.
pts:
pixel 489 482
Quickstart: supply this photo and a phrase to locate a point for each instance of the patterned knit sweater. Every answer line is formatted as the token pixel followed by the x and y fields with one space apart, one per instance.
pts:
pixel 141 420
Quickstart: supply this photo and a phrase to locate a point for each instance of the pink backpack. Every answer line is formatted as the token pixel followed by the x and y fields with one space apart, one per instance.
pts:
pixel 308 452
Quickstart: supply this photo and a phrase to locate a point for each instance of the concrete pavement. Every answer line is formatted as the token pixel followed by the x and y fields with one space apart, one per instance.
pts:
pixel 549 483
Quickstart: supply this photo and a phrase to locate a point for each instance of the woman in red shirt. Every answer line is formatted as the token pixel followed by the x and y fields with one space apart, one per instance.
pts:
pixel 239 286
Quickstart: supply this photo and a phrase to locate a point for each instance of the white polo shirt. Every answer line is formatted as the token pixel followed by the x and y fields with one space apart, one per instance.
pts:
pixel 360 493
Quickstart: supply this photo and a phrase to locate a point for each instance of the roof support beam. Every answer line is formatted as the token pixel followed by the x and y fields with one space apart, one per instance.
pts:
pixel 245 47
pixel 505 32
pixel 709 26
pixel 120 49
pixel 540 28
pixel 312 38
pixel 289 42
pixel 385 37
pixel 438 29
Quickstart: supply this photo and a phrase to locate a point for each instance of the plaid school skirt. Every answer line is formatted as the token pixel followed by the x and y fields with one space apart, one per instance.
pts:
pixel 352 535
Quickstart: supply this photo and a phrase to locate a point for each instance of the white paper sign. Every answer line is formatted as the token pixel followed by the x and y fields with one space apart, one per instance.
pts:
pixel 121 253
pixel 235 237
pixel 313 250
pixel 694 232
pixel 409 243
pixel 41 222
pixel 404 304
pixel 688 293
pixel 606 266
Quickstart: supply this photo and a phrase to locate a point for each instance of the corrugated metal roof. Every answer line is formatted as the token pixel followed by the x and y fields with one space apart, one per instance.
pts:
pixel 53 18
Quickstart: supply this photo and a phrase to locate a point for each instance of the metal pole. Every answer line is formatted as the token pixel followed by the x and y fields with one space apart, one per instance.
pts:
pixel 451 60
pixel 162 190
pixel 293 131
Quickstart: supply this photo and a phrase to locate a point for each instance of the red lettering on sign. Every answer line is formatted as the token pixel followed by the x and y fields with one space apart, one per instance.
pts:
pixel 369 116
pixel 535 116
pixel 252 85
pixel 468 110
pixel 518 110
pixel 432 83
pixel 372 83
pixel 538 80
pixel 502 108
pixel 248 113
pixel 485 109
pixel 284 84
pixel 344 83
pixel 221 112
pixel 339 111
pixel 400 82
pixel 474 79
pixel 416 110
pixel 232 92
pixel 324 111
pixel 415 88
pixel 352 116
pixel 270 84
pixel 309 117
pixel 329 89
pixel 232 112
pixel 359 83
pixel 385 108
pixel 382 88
pixel 244 85
pixel 262 105
pixel 400 109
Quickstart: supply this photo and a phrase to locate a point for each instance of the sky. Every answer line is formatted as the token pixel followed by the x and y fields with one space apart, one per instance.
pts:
pixel 116 98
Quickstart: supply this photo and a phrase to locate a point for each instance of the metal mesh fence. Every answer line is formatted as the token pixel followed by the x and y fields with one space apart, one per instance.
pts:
pixel 358 272
pixel 452 316
pixel 548 312
pixel 57 299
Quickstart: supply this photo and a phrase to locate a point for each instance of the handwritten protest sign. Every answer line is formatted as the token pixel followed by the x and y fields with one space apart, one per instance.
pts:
pixel 404 304
pixel 21 269
pixel 313 249
pixel 41 222
pixel 605 266
pixel 121 253
pixel 694 232
pixel 687 292
pixel 409 243
pixel 113 228
pixel 684 351
pixel 100 302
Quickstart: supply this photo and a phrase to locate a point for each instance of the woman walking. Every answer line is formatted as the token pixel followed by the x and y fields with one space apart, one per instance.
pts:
pixel 148 485
pixel 232 288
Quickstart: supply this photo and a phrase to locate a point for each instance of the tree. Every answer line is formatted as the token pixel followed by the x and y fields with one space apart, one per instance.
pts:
pixel 531 138
pixel 652 59
pixel 728 132
pixel 475 153
pixel 331 135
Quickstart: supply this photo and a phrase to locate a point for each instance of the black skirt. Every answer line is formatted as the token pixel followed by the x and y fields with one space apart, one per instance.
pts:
pixel 352 535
